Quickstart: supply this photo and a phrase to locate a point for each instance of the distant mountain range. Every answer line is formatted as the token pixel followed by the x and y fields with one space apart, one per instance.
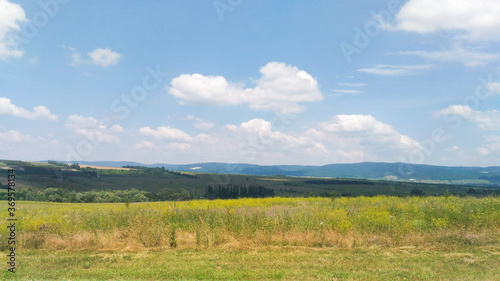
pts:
pixel 366 170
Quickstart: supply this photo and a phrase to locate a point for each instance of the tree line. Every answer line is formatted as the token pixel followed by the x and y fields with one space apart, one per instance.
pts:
pixel 156 171
pixel 229 191
pixel 99 196
pixel 134 195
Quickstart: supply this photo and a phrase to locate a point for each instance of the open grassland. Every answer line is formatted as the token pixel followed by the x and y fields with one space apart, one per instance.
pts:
pixel 371 238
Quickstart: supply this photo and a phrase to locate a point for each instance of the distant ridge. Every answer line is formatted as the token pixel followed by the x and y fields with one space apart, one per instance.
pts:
pixel 364 170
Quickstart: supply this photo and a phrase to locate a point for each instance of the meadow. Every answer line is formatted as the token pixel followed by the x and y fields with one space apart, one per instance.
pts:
pixel 347 238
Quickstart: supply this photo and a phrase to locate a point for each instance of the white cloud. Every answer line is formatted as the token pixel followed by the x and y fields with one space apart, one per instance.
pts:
pixel 257 125
pixel 347 92
pixel 76 122
pixel 486 120
pixel 203 125
pixel 11 16
pixel 200 124
pixel 251 141
pixel 343 138
pixel 341 92
pixel 396 70
pixel 457 54
pixel 179 145
pixel 99 56
pixel 104 57
pixel 469 22
pixel 176 146
pixel 14 136
pixel 474 20
pixel 492 146
pixel 493 88
pixel 93 129
pixel 205 139
pixel 166 133
pixel 145 144
pixel 364 137
pixel 256 137
pixel 352 84
pixel 355 123
pixel 205 90
pixel 281 88
pixel 483 151
pixel 39 112
pixel 17 145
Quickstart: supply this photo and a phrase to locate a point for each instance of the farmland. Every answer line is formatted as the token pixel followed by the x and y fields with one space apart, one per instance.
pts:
pixel 306 229
pixel 158 184
pixel 353 238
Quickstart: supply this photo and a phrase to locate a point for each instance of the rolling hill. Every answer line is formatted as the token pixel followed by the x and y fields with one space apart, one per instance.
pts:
pixel 220 180
pixel 366 170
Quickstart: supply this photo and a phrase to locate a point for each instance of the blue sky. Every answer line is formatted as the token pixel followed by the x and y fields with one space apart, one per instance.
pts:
pixel 265 82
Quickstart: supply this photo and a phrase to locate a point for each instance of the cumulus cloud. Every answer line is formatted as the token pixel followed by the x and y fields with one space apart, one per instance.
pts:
pixel 39 112
pixel 474 20
pixel 11 16
pixel 492 146
pixel 101 57
pixel 486 120
pixel 355 123
pixel 93 129
pixel 364 131
pixel 203 125
pixel 205 139
pixel 251 141
pixel 200 124
pixel 179 146
pixel 145 144
pixel 257 125
pixel 470 23
pixel 396 70
pixel 14 136
pixel 343 138
pixel 205 90
pixel 256 137
pixel 104 57
pixel 483 151
pixel 280 88
pixel 166 133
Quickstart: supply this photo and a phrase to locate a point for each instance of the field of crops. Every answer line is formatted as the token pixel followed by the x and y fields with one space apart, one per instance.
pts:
pixel 446 224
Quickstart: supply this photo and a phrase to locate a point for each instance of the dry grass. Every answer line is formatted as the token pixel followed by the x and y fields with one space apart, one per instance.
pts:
pixel 130 240
pixel 311 222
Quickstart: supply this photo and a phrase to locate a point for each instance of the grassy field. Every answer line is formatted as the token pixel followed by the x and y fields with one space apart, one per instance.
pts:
pixel 361 238
pixel 263 263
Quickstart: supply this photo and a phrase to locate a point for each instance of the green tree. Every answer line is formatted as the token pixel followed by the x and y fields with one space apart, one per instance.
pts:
pixel 447 193
pixel 416 192
pixel 139 197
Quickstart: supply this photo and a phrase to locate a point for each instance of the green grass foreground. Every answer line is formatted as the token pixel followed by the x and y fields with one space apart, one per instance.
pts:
pixel 362 238
pixel 263 263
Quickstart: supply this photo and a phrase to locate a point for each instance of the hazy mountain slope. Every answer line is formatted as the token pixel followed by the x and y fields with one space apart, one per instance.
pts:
pixel 400 171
